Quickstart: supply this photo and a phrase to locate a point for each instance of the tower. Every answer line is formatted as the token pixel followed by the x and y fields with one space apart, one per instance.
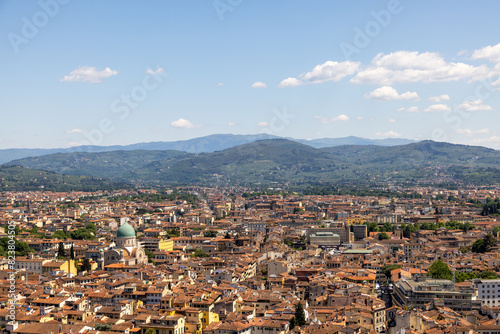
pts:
pixel 100 261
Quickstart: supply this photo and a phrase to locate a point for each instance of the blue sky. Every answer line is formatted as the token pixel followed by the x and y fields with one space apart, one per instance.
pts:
pixel 122 72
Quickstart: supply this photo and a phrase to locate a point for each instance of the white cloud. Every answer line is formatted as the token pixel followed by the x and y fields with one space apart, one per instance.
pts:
pixel 74 131
pixel 325 120
pixel 88 74
pixel 231 123
pixel 157 71
pixel 328 71
pixel 413 109
pixel 493 141
pixel 340 118
pixel 183 123
pixel 408 59
pixel 387 93
pixel 403 67
pixel 259 84
pixel 492 53
pixel 321 119
pixel 392 120
pixel 437 107
pixel 263 124
pixel 475 105
pixel 359 118
pixel 388 134
pixel 289 82
pixel 411 66
pixel 496 84
pixel 220 84
pixel 470 133
pixel 440 98
pixel 410 109
pixel 73 144
pixel 331 71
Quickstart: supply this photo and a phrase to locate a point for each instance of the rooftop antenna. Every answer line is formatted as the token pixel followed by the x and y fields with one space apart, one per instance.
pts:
pixel 251 234
pixel 454 278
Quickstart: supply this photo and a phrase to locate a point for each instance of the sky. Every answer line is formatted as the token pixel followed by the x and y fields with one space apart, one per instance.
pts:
pixel 120 72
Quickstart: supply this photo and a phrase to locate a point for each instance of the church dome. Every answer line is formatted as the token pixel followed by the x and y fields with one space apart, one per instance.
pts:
pixel 125 231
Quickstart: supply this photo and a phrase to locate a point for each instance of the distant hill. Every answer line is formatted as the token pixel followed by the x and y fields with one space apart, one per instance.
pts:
pixel 123 166
pixel 329 142
pixel 286 162
pixel 205 144
pixel 17 178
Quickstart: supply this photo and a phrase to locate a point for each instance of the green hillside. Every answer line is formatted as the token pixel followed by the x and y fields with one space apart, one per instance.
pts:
pixel 17 178
pixel 123 166
pixel 286 162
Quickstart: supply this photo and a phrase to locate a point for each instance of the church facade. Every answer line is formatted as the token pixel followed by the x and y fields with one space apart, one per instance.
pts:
pixel 127 251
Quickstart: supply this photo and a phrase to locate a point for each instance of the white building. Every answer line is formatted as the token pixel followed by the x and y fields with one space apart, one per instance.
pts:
pixel 488 291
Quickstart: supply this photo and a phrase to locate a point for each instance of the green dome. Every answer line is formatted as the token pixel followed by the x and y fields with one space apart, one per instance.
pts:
pixel 125 231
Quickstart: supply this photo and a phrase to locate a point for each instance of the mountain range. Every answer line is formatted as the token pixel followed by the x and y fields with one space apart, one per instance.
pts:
pixel 205 144
pixel 284 162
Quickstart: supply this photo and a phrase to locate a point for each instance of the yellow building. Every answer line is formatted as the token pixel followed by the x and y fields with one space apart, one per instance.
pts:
pixel 68 266
pixel 355 221
pixel 194 320
pixel 206 305
pixel 166 245
pixel 165 324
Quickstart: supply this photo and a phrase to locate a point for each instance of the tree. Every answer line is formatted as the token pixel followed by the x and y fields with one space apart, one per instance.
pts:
pixel 484 245
pixel 383 236
pixel 91 227
pixel 462 277
pixel 60 252
pixel 292 323
pixel 59 234
pixel 466 227
pixel 490 240
pixel 210 234
pixel 141 211
pixel 388 227
pixel 150 256
pixel 86 266
pixel 227 236
pixel 495 231
pixel 300 316
pixel 464 249
pixel 406 231
pixel 21 248
pixel 479 246
pixel 150 331
pixel 372 227
pixel 386 270
pixel 102 327
pixel 34 230
pixel 487 275
pixel 440 270
pixel 199 253
pixel 83 234
pixel 72 253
